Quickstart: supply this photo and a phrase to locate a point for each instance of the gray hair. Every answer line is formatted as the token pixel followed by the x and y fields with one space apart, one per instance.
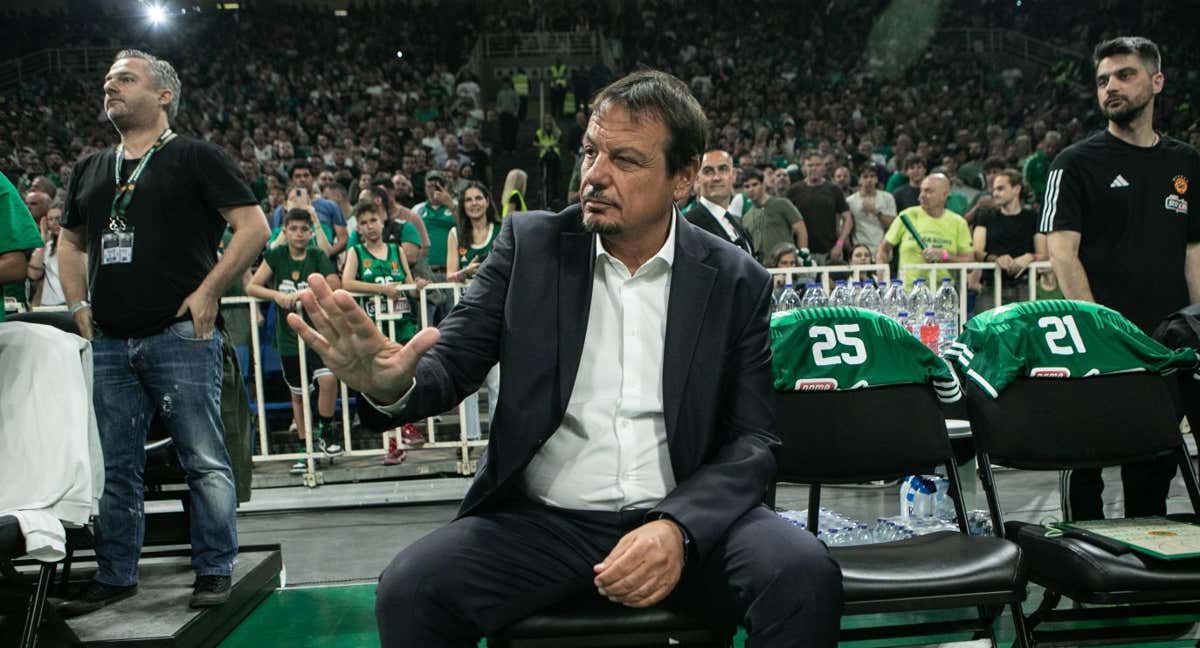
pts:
pixel 162 72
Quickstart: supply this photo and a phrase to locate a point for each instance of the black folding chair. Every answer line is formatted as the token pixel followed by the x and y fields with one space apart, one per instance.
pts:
pixel 1087 423
pixel 18 595
pixel 591 622
pixel 884 433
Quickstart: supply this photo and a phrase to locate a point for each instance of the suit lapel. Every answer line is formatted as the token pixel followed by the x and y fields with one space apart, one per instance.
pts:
pixel 576 265
pixel 691 285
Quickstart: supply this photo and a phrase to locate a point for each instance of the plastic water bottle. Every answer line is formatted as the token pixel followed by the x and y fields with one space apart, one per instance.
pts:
pixel 868 297
pixel 902 320
pixel 840 295
pixel 946 306
pixel 855 290
pixel 788 300
pixel 920 299
pixel 930 333
pixel 815 295
pixel 894 300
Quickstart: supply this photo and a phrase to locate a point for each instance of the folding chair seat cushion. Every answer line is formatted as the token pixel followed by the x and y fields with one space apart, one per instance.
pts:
pixel 945 563
pixel 1090 573
pixel 591 615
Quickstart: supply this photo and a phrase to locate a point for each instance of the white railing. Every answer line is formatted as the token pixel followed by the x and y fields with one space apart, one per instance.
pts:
pixel 880 270
pixel 386 319
pixel 965 269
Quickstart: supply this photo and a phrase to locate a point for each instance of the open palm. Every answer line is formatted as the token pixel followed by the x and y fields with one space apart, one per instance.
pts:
pixel 353 348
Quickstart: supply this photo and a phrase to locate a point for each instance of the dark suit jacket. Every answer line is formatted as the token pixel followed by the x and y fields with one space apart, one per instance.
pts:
pixel 528 309
pixel 699 216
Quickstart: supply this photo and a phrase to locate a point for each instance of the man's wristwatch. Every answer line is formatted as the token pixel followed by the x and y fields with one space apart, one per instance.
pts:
pixel 80 305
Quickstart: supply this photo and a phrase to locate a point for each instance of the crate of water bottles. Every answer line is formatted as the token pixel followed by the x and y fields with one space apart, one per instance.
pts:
pixel 833 528
pixel 931 317
pixel 837 530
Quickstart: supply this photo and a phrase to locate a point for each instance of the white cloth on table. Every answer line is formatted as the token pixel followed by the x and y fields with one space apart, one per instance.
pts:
pixel 51 466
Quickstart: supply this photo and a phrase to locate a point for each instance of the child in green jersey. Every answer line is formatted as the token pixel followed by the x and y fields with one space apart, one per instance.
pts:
pixel 286 269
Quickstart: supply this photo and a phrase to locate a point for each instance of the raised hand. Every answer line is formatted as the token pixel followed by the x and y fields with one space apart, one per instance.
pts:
pixel 353 348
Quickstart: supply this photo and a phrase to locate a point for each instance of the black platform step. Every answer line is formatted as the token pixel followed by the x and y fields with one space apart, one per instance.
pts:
pixel 159 616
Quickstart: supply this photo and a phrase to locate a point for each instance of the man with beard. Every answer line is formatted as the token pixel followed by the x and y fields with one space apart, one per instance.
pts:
pixel 1120 234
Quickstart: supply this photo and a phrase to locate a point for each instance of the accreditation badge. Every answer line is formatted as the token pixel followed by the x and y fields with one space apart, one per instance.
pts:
pixel 116 248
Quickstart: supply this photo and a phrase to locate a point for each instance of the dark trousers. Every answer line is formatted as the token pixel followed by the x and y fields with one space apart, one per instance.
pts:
pixel 481 573
pixel 558 96
pixel 550 165
pixel 1145 485
pixel 508 131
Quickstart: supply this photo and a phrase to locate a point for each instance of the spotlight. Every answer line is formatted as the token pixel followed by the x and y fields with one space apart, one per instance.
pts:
pixel 157 14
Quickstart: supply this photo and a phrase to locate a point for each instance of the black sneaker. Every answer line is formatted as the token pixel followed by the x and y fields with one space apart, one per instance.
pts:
pixel 210 591
pixel 96 596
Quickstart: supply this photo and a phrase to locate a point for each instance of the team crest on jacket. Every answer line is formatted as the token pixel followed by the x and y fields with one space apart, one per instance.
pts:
pixel 1180 184
pixel 366 263
pixel 395 265
pixel 295 275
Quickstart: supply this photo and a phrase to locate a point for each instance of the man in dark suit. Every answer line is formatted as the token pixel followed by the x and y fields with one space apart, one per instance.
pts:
pixel 632 443
pixel 711 211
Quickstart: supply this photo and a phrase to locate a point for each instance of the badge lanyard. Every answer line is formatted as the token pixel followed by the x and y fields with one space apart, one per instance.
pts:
pixel 116 219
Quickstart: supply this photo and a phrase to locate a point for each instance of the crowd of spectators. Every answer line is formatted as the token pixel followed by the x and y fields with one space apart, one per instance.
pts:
pixel 381 97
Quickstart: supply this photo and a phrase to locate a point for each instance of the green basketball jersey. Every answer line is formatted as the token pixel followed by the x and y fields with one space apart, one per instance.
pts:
pixel 389 270
pixel 468 253
pixel 840 348
pixel 1057 338
pixel 290 275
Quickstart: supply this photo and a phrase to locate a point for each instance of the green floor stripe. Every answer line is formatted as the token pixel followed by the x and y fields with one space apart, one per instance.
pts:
pixel 344 617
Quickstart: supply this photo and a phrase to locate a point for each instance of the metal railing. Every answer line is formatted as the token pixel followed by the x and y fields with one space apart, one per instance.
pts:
pixel 14 72
pixel 855 272
pixel 1008 43
pixel 964 270
pixel 386 318
pixel 537 44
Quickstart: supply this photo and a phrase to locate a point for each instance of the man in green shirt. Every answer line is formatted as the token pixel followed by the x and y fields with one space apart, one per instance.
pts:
pixel 1036 167
pixel 437 212
pixel 19 237
pixel 771 220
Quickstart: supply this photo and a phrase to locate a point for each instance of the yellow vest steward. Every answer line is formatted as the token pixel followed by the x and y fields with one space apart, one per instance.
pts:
pixel 521 85
pixel 546 142
pixel 558 74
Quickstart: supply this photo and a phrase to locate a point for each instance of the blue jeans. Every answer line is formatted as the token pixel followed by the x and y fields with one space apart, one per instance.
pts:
pixel 178 377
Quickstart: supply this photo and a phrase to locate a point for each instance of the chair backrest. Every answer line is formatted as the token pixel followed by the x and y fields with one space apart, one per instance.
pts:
pixel 1056 424
pixel 860 435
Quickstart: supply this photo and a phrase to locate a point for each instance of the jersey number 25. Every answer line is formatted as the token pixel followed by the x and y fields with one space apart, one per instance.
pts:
pixel 842 334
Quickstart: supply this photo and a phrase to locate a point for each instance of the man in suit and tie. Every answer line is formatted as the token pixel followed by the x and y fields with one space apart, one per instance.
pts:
pixel 632 441
pixel 711 211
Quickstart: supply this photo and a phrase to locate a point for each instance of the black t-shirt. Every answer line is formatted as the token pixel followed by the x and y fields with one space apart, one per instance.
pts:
pixel 177 226
pixel 820 206
pixel 1130 205
pixel 906 196
pixel 1010 234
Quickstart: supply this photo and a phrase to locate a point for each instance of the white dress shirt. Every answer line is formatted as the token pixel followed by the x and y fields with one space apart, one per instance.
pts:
pixel 610 452
pixel 722 216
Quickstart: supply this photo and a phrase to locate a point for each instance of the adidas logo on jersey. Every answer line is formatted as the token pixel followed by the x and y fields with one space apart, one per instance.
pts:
pixel 1119 182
